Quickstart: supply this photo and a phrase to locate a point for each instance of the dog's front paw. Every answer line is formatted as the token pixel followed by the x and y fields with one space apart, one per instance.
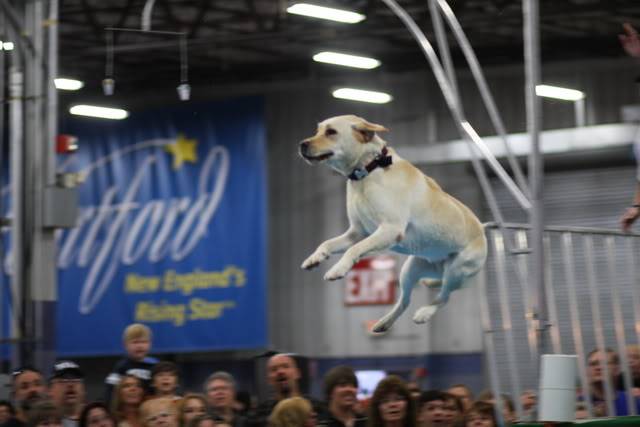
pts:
pixel 423 314
pixel 314 260
pixel 338 271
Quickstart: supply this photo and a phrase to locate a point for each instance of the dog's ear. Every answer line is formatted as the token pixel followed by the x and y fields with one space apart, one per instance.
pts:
pixel 365 131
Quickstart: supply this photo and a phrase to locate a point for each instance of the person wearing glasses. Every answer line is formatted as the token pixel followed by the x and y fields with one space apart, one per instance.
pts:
pixel 597 361
pixel 220 389
pixel 67 391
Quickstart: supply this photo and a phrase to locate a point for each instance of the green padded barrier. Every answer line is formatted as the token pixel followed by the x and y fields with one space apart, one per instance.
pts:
pixel 611 422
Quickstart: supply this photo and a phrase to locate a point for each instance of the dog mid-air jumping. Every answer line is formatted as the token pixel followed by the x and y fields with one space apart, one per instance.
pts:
pixel 392 205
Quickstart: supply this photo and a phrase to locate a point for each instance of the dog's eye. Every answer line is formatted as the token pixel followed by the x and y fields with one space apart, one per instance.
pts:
pixel 330 132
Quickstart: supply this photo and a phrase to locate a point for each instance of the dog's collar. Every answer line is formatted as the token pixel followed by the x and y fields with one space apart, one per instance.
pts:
pixel 382 160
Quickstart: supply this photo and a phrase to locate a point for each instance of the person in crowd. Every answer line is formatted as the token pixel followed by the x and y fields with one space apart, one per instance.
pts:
pixel 44 414
pixel 480 414
pixel 7 412
pixel 127 398
pixel 430 409
pixel 631 44
pixel 158 412
pixel 220 389
pixel 165 380
pixel 463 393
pixel 96 414
pixel 204 420
pixel 414 389
pixel 630 41
pixel 191 406
pixel 529 401
pixel 341 394
pixel 67 391
pixel 244 403
pixel 283 376
pixel 508 407
pixel 453 409
pixel 596 361
pixel 28 387
pixel 633 356
pixel 293 412
pixel 137 343
pixel 438 409
pixel 392 405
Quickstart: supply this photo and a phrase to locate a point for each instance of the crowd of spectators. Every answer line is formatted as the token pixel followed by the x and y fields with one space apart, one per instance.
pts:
pixel 143 392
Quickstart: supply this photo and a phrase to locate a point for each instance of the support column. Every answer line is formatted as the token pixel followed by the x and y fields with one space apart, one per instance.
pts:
pixel 32 129
pixel 538 309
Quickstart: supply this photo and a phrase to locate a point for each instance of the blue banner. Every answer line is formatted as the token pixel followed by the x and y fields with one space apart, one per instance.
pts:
pixel 171 231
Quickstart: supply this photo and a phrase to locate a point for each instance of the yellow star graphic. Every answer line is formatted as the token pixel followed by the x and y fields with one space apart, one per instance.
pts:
pixel 183 150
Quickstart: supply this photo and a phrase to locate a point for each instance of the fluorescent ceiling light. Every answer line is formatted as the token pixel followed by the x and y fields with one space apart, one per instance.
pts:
pixel 100 112
pixel 346 60
pixel 68 84
pixel 6 45
pixel 362 95
pixel 559 93
pixel 329 13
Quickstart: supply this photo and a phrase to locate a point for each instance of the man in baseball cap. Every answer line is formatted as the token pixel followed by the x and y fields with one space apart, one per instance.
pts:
pixel 66 388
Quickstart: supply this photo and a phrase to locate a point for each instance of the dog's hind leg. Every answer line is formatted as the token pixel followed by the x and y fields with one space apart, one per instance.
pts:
pixel 413 270
pixel 457 269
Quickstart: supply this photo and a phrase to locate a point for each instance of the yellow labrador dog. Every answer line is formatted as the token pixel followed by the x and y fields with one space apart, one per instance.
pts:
pixel 392 205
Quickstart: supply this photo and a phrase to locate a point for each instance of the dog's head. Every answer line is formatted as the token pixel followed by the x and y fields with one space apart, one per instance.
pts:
pixel 342 142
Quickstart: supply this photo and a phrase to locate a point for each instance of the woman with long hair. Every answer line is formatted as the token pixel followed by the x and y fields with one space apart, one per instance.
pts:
pixel 203 421
pixel 126 401
pixel 192 405
pixel 391 404
pixel 96 414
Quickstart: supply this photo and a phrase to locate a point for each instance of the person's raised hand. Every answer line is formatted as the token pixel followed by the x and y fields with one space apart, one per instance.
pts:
pixel 630 40
pixel 629 217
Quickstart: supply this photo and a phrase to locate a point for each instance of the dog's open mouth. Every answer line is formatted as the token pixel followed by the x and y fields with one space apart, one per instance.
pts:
pixel 318 158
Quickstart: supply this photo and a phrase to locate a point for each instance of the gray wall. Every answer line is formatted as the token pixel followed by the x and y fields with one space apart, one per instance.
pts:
pixel 307 203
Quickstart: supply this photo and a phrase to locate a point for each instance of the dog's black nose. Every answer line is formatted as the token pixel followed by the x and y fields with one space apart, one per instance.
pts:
pixel 304 147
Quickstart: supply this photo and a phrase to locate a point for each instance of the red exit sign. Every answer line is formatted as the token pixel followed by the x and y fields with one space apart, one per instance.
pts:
pixel 372 281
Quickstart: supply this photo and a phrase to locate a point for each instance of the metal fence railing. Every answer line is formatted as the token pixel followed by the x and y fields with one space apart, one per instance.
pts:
pixel 592 301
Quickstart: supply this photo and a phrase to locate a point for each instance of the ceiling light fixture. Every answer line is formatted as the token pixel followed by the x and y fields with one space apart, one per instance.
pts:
pixel 346 60
pixel 6 45
pixel 559 93
pixel 321 12
pixel 362 95
pixel 68 84
pixel 99 112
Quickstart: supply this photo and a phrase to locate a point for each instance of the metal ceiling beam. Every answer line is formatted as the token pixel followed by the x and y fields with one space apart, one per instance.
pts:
pixel 17 25
pixel 91 19
pixel 253 10
pixel 205 5
pixel 123 19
